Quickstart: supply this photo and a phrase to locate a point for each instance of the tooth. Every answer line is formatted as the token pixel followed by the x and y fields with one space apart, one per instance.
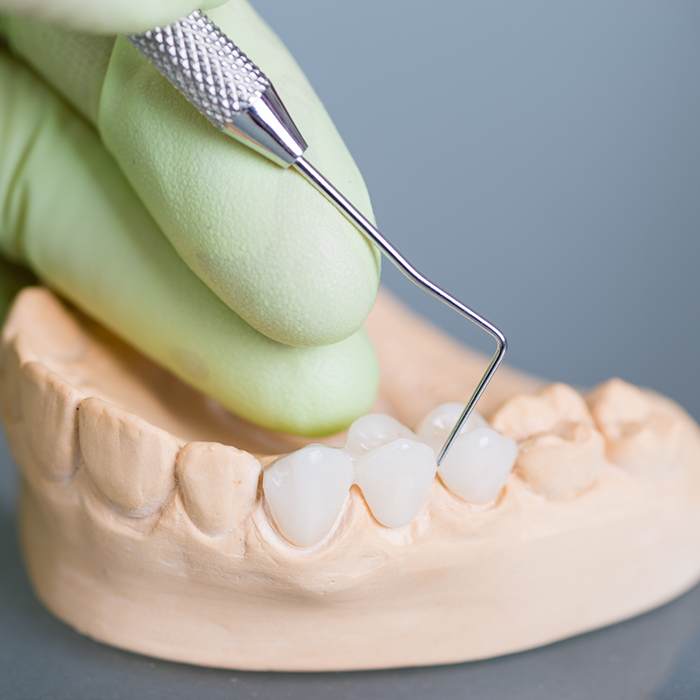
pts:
pixel 617 405
pixel 523 416
pixel 561 453
pixel 562 464
pixel 131 462
pixel 49 407
pixel 480 460
pixel 10 382
pixel 15 353
pixel 438 424
pixel 305 492
pixel 395 480
pixel 219 485
pixel 641 436
pixel 526 415
pixel 61 333
pixel 478 465
pixel 570 406
pixel 373 430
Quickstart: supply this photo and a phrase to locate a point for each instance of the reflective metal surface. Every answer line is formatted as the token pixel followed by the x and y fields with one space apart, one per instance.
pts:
pixel 235 96
pixel 224 85
pixel 318 181
pixel 267 128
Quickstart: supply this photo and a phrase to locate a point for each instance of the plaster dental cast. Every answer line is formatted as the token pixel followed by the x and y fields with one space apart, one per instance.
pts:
pixel 156 520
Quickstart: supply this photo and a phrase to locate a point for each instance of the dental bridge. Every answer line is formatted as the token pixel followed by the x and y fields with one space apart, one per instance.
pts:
pixel 212 73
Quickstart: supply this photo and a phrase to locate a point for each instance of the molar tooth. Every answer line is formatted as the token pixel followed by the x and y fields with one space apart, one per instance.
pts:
pixel 373 430
pixel 49 407
pixel 305 491
pixel 523 416
pixel 219 485
pixel 570 406
pixel 526 415
pixel 641 437
pixel 562 464
pixel 37 309
pixel 478 465
pixel 395 480
pixel 130 461
pixel 437 425
pixel 617 406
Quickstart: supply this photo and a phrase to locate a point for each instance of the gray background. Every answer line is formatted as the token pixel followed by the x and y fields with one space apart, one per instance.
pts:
pixel 541 160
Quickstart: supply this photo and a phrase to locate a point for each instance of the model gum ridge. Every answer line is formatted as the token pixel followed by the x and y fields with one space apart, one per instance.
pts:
pixel 154 520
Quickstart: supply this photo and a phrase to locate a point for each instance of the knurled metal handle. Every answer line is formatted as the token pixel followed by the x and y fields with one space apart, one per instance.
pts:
pixel 205 66
pixel 222 83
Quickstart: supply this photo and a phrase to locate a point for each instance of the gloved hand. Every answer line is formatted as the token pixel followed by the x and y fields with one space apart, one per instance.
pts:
pixel 230 271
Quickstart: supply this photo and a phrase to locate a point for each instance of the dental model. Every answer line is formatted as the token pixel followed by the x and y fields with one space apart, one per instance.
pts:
pixel 153 520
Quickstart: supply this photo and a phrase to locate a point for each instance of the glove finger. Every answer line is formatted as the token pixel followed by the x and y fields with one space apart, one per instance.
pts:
pixel 244 225
pixel 68 212
pixel 106 17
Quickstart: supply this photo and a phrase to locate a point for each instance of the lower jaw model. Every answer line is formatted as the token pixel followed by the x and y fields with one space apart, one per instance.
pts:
pixel 143 528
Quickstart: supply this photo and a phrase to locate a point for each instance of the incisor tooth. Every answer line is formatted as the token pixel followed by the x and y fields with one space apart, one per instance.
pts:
pixel 305 492
pixel 395 480
pixel 49 407
pixel 562 464
pixel 130 461
pixel 373 430
pixel 641 437
pixel 437 425
pixel 219 485
pixel 478 465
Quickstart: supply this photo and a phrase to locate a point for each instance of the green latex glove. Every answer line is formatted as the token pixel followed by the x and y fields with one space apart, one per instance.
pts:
pixel 108 17
pixel 200 252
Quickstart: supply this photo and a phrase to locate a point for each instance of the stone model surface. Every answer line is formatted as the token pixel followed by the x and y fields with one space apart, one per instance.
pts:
pixel 154 520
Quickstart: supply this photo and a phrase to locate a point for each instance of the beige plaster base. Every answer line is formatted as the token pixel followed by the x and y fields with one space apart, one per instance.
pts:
pixel 141 530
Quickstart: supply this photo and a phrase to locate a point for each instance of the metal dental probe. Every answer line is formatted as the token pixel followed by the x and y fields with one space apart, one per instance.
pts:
pixel 203 64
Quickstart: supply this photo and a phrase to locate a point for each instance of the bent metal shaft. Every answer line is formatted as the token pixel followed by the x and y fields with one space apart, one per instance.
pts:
pixel 234 95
